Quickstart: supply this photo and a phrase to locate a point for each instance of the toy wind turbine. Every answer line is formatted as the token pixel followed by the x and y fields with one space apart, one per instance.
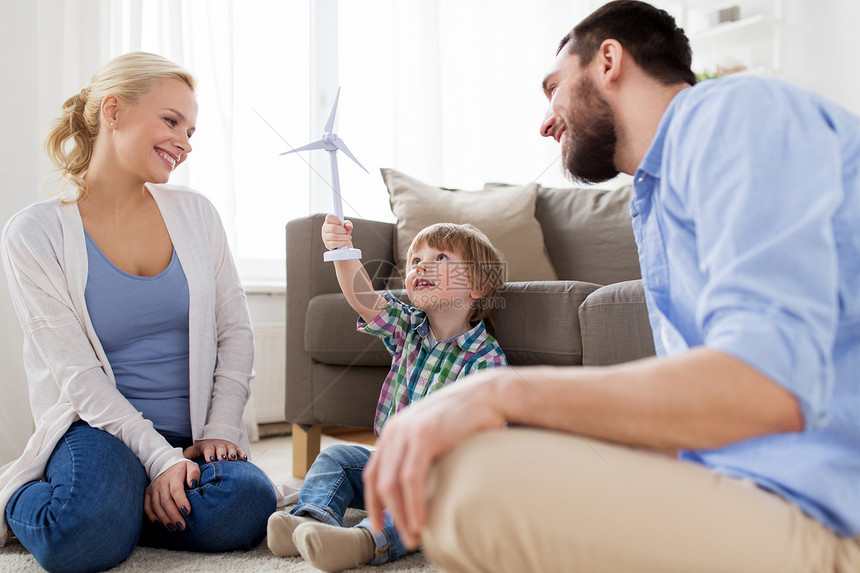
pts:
pixel 332 143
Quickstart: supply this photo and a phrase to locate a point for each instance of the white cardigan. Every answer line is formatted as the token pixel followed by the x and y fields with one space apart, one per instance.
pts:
pixel 45 258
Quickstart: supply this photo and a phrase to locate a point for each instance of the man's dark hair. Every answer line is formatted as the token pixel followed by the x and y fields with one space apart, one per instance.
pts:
pixel 650 35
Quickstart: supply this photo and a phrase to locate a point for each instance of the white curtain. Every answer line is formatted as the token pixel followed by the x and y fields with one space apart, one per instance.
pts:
pixel 447 91
pixel 197 34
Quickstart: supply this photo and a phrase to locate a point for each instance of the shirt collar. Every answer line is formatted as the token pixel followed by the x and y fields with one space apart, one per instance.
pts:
pixel 469 341
pixel 473 339
pixel 653 161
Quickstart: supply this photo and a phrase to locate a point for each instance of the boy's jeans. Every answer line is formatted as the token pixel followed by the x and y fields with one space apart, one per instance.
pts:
pixel 87 515
pixel 333 484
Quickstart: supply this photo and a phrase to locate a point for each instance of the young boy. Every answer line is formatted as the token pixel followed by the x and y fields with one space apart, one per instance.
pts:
pixel 454 278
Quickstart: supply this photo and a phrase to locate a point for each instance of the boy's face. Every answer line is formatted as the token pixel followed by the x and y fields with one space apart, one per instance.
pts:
pixel 438 279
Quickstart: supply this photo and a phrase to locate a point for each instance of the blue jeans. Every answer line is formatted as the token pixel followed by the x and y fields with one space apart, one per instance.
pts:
pixel 332 485
pixel 87 514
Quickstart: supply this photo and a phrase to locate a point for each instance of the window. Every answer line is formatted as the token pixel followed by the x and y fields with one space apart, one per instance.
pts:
pixel 444 90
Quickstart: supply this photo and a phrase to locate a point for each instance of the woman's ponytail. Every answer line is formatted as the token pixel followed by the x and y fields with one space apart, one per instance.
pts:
pixel 70 141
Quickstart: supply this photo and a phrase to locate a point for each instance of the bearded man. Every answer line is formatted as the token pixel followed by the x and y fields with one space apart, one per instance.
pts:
pixel 746 212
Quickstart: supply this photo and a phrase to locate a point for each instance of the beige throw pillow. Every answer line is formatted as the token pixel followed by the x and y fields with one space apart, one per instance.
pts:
pixel 506 216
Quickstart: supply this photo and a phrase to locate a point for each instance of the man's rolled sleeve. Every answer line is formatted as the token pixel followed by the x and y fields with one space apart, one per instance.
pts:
pixel 786 355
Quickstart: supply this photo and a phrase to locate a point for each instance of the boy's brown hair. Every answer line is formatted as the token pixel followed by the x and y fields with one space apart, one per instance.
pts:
pixel 484 263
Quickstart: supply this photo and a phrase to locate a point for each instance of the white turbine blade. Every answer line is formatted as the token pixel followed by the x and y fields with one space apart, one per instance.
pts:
pixel 329 125
pixel 315 145
pixel 342 146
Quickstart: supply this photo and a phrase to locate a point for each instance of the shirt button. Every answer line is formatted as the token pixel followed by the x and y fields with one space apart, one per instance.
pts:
pixel 641 178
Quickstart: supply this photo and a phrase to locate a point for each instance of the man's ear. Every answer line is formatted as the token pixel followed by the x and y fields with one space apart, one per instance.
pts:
pixel 109 110
pixel 610 56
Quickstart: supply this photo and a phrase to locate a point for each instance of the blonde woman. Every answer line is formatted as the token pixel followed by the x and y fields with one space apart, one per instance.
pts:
pixel 138 345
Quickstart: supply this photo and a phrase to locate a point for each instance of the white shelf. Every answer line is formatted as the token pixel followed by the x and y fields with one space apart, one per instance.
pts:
pixel 741 31
pixel 754 41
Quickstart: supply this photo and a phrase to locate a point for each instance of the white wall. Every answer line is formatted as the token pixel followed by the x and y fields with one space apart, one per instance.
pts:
pixel 268 310
pixel 42 65
pixel 822 49
pixel 20 176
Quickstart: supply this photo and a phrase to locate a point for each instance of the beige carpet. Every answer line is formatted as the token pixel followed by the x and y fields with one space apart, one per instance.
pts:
pixel 274 456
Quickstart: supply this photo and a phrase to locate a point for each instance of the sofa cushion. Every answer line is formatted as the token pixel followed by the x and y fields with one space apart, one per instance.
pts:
pixel 331 337
pixel 588 232
pixel 506 216
pixel 537 323
pixel 615 325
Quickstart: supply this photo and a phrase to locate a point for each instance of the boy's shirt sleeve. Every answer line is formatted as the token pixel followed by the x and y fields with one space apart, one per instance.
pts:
pixel 390 325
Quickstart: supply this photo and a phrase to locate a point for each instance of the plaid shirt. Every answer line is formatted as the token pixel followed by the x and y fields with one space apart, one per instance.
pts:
pixel 419 368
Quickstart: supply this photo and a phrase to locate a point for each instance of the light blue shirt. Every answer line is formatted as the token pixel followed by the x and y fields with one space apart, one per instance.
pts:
pixel 142 324
pixel 747 216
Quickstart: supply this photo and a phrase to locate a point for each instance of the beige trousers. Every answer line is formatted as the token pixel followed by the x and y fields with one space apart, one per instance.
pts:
pixel 526 500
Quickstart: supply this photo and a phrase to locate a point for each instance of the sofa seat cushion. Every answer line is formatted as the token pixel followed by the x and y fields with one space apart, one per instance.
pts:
pixel 538 322
pixel 615 325
pixel 331 337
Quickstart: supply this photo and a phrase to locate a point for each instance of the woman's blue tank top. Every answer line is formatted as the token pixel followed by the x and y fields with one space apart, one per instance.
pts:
pixel 142 323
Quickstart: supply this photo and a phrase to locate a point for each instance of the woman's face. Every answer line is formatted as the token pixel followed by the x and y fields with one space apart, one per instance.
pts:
pixel 152 134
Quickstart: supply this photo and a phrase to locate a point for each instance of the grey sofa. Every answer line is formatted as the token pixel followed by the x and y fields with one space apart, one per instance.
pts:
pixel 593 315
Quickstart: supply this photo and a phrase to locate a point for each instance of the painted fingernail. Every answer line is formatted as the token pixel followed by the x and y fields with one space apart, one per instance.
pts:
pixel 184 511
pixel 194 483
pixel 223 456
pixel 179 526
pixel 211 458
pixel 170 527
pixel 232 456
pixel 245 458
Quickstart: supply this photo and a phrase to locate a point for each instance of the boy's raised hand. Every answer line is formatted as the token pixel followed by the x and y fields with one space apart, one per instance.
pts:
pixel 335 235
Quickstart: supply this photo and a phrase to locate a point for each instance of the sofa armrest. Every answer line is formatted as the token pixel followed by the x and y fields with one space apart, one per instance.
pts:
pixel 615 326
pixel 309 276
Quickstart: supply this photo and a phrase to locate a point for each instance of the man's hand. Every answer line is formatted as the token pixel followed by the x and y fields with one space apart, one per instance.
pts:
pixel 215 450
pixel 335 235
pixel 396 475
pixel 701 399
pixel 165 502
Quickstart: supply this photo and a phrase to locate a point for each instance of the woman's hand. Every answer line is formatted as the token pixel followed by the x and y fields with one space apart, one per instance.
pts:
pixel 335 235
pixel 165 502
pixel 215 450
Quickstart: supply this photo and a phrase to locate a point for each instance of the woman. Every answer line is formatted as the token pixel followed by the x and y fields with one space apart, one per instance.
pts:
pixel 138 344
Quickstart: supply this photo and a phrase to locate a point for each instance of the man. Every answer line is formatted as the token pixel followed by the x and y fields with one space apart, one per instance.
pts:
pixel 747 217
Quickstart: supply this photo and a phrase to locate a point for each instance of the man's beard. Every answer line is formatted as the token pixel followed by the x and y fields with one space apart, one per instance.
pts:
pixel 589 156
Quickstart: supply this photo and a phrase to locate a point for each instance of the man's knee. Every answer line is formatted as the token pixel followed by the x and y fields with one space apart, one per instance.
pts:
pixel 464 502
